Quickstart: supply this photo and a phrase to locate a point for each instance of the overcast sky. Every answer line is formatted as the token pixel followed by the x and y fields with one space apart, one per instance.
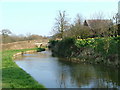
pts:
pixel 38 17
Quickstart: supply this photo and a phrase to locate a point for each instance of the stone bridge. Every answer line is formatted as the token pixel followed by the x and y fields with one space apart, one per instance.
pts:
pixel 25 44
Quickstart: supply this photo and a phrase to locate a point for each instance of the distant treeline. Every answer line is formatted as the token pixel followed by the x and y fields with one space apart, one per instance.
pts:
pixel 8 37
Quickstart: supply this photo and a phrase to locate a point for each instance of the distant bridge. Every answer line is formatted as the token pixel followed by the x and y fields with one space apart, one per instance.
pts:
pixel 41 44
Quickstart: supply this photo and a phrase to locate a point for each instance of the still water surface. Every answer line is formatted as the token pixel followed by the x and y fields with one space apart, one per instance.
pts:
pixel 55 73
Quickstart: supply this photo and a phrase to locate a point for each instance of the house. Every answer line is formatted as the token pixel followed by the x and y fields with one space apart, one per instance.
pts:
pixel 99 26
pixel 98 23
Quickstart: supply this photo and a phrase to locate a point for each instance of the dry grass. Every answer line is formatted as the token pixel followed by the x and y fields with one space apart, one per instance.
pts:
pixel 23 44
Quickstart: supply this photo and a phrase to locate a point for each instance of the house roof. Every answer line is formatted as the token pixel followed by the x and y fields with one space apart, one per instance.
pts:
pixel 98 22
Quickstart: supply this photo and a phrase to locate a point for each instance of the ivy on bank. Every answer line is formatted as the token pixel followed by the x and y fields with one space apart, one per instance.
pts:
pixel 104 50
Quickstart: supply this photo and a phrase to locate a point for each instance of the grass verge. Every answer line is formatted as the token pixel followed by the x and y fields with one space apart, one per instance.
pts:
pixel 13 76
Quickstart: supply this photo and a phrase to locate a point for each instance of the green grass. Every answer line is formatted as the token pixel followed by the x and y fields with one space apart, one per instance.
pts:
pixel 40 49
pixel 13 76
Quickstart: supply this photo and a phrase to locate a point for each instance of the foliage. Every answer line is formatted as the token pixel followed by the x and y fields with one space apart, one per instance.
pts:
pixel 5 32
pixel 103 45
pixel 52 43
pixel 13 76
pixel 7 37
pixel 77 31
pixel 40 49
pixel 106 47
pixel 63 48
pixel 96 27
pixel 98 50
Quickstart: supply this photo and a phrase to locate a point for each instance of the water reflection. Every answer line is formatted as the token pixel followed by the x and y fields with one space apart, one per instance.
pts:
pixel 55 73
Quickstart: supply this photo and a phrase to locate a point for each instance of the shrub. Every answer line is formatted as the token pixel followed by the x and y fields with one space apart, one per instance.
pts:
pixel 63 48
pixel 40 49
pixel 101 50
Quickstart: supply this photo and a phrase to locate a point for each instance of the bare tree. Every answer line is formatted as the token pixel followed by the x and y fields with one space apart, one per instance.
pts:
pixel 98 15
pixel 5 35
pixel 5 32
pixel 78 30
pixel 61 24
pixel 78 19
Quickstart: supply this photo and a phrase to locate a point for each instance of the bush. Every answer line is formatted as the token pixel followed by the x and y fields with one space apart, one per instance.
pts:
pixel 40 49
pixel 98 50
pixel 52 43
pixel 63 48
pixel 106 47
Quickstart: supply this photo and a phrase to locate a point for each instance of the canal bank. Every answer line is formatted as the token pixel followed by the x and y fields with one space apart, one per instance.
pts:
pixel 12 75
pixel 99 50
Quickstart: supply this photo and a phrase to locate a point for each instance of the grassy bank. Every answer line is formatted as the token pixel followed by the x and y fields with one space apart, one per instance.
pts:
pixel 100 50
pixel 13 76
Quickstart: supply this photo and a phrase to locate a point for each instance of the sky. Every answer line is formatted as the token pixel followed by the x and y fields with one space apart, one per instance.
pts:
pixel 38 17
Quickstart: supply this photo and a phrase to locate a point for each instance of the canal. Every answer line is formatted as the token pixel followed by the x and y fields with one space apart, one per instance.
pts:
pixel 53 72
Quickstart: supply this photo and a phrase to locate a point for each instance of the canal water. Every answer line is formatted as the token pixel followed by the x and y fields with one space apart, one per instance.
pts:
pixel 53 72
